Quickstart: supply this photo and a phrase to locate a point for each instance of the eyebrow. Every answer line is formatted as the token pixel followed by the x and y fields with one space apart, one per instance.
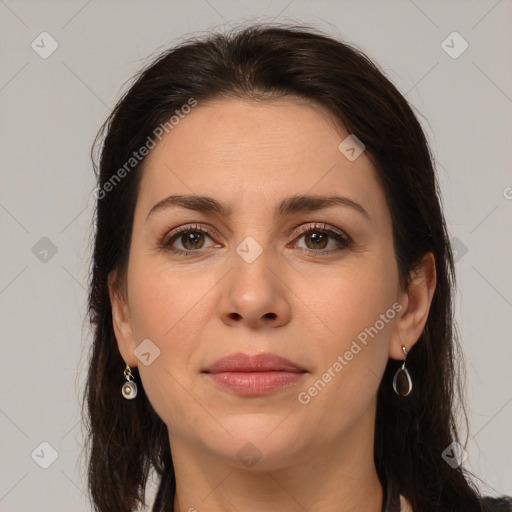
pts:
pixel 287 206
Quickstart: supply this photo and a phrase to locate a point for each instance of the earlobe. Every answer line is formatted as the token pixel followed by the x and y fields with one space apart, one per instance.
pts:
pixel 121 321
pixel 416 301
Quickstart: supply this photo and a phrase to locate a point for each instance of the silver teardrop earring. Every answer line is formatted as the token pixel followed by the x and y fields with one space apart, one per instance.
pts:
pixel 129 388
pixel 402 383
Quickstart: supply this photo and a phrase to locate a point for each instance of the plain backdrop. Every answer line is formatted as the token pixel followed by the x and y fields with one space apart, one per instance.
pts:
pixel 51 109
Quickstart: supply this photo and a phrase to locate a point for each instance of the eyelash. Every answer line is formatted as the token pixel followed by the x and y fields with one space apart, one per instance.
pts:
pixel 165 244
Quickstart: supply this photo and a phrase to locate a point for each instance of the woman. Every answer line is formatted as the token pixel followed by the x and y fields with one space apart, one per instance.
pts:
pixel 271 289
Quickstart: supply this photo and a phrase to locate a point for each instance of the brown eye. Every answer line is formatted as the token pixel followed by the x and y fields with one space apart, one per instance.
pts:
pixel 186 240
pixel 192 240
pixel 317 239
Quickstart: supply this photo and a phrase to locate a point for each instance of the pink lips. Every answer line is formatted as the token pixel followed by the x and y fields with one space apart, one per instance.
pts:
pixel 254 375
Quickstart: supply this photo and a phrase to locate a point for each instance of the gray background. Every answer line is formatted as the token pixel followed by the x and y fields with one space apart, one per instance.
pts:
pixel 51 109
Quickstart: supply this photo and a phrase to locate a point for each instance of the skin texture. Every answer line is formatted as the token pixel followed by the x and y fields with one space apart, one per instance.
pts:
pixel 200 307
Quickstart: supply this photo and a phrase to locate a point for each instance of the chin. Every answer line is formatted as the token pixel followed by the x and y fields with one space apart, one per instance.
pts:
pixel 259 441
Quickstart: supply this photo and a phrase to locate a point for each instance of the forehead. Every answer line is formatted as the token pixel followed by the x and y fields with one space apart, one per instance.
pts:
pixel 234 148
pixel 222 128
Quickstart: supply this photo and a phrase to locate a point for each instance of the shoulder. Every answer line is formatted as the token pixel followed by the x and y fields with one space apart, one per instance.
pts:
pixel 497 504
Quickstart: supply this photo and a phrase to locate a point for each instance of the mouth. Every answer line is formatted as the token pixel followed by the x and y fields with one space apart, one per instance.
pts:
pixel 254 375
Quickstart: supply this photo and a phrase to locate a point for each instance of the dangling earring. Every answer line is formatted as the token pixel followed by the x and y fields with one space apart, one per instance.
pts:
pixel 402 383
pixel 129 388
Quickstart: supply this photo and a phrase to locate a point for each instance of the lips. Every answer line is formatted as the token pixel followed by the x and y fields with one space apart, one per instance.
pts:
pixel 253 375
pixel 257 363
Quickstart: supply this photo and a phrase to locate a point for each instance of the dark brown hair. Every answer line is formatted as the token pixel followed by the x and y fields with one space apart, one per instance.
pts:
pixel 127 440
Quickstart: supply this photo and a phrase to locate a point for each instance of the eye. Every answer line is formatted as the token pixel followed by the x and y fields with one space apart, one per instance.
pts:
pixel 316 238
pixel 190 237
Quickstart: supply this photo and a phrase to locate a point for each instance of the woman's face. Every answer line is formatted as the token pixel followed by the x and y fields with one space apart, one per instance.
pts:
pixel 267 277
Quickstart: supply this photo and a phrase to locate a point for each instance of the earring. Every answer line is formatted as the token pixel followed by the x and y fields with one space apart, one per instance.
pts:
pixel 402 383
pixel 129 388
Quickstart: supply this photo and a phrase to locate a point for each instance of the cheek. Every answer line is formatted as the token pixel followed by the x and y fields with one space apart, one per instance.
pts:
pixel 169 305
pixel 356 316
pixel 170 308
pixel 347 300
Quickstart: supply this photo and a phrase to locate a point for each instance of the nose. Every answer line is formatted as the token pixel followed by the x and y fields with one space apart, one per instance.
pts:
pixel 254 296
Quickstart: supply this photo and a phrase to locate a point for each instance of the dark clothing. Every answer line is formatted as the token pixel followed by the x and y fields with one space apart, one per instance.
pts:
pixel 489 503
pixel 501 504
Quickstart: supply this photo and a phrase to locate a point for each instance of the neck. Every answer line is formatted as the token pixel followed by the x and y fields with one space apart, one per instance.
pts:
pixel 340 477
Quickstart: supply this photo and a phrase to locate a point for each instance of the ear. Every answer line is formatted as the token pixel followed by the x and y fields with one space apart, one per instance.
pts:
pixel 121 320
pixel 415 301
